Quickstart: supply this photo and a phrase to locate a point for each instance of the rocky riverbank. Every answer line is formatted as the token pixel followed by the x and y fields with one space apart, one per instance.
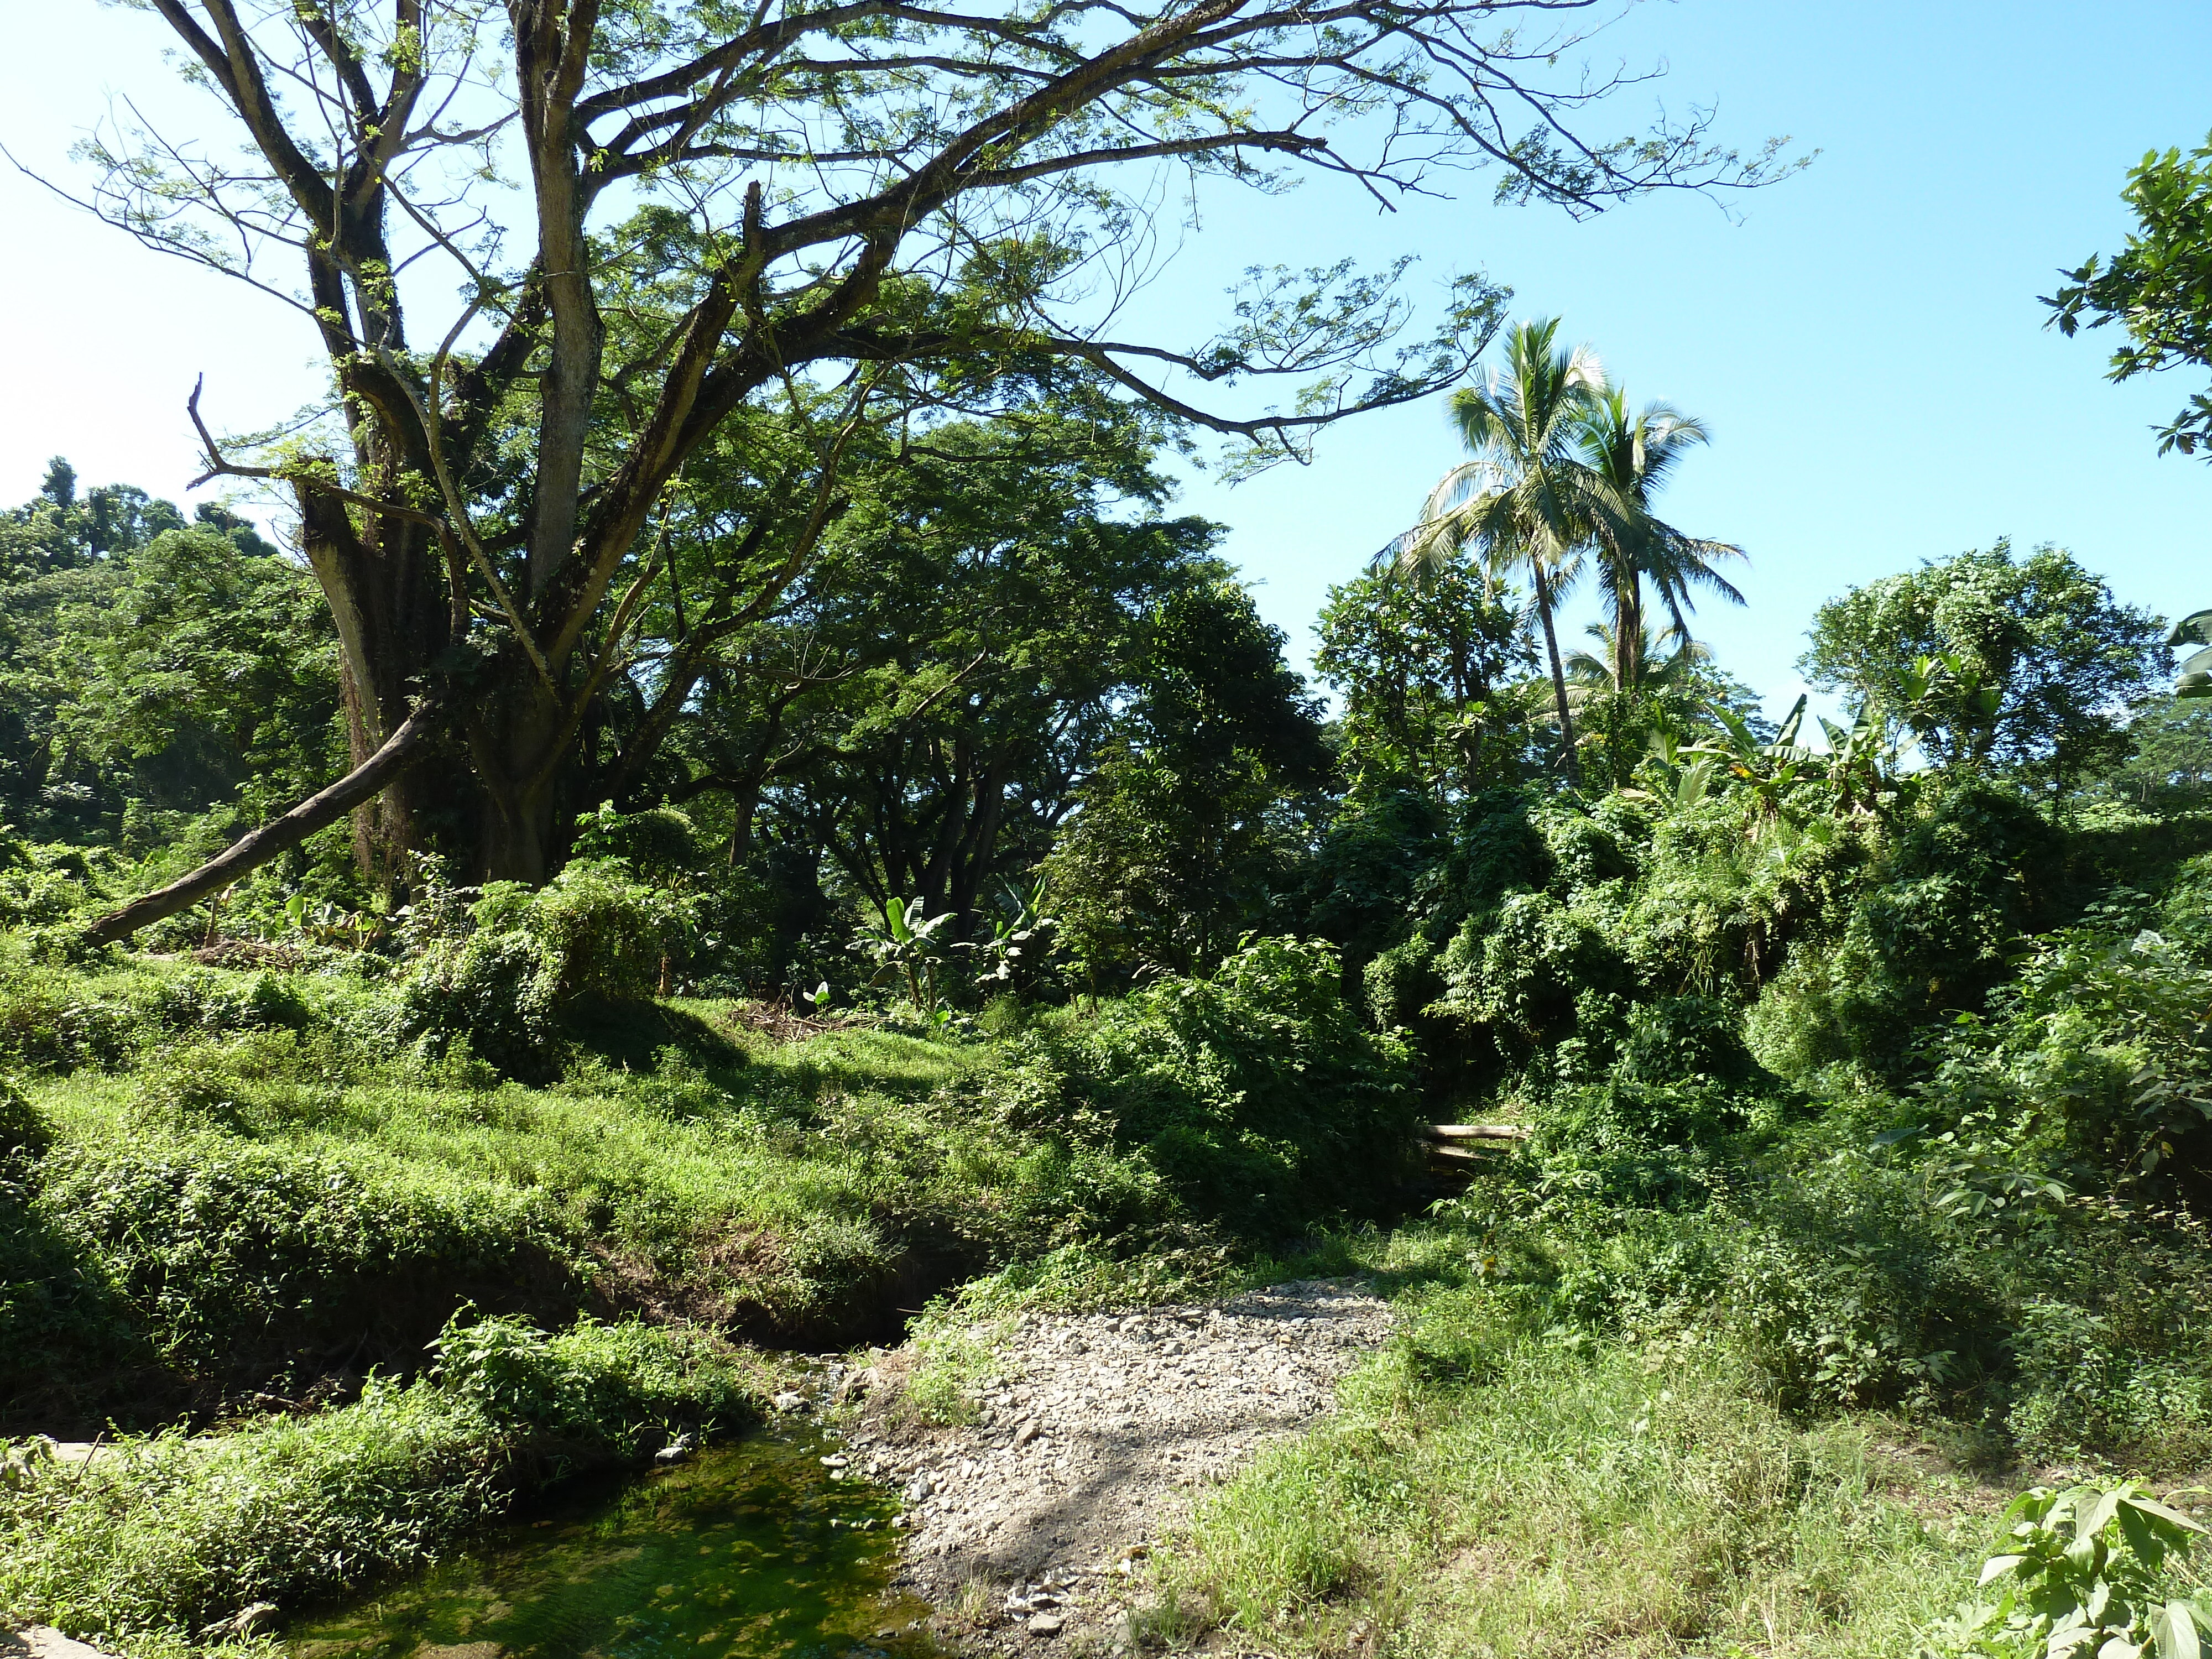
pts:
pixel 1092 1437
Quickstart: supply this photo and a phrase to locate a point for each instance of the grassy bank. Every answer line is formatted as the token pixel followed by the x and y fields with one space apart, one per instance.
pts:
pixel 165 1541
pixel 246 1202
pixel 1495 1485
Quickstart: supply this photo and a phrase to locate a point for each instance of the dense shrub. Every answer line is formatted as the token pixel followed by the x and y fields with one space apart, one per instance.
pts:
pixel 506 977
pixel 1258 1095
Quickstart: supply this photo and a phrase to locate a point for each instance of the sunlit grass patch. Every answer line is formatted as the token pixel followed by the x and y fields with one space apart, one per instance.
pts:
pixel 1489 1488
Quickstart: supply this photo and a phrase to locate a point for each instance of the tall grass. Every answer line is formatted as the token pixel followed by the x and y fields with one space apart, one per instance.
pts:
pixel 165 1535
pixel 1490 1487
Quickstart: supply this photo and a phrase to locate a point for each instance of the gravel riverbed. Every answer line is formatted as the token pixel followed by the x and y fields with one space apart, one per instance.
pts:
pixel 1094 1435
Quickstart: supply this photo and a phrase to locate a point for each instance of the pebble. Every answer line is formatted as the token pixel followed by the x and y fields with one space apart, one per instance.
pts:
pixel 1117 1421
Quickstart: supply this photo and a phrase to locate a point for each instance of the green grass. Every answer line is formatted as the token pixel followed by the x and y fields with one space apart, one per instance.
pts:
pixel 252 1182
pixel 253 1191
pixel 165 1535
pixel 1493 1487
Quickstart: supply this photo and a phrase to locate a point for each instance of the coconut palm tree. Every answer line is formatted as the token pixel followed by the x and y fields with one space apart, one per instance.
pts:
pixel 1619 691
pixel 1662 661
pixel 1633 455
pixel 1525 504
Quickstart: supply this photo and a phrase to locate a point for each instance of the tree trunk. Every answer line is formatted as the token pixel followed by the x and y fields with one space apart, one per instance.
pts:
pixel 386 585
pixel 1543 594
pixel 390 762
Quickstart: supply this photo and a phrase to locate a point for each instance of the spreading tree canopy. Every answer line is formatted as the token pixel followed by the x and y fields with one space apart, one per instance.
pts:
pixel 1991 659
pixel 667 221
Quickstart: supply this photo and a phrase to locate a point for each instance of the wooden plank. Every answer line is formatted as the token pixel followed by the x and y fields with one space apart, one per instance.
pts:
pixel 1477 1132
pixel 1468 1155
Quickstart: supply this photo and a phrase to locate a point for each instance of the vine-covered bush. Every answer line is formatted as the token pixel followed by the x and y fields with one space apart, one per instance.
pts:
pixel 505 971
pixel 1258 1094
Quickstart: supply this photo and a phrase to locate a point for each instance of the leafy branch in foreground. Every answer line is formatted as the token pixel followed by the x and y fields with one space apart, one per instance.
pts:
pixel 2085 1570
pixel 2158 288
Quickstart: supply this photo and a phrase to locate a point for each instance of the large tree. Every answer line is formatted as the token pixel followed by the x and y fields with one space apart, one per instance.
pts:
pixel 670 219
pixel 1427 670
pixel 924 709
pixel 1190 828
pixel 1992 660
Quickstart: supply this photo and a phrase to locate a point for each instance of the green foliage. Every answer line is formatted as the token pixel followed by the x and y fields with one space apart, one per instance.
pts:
pixel 915 720
pixel 225 1248
pixel 1360 887
pixel 1524 970
pixel 1160 872
pixel 2085 1570
pixel 521 961
pixel 2046 661
pixel 164 1534
pixel 1927 935
pixel 1257 1095
pixel 2171 768
pixel 2157 286
pixel 1424 667
pixel 154 668
pixel 1190 827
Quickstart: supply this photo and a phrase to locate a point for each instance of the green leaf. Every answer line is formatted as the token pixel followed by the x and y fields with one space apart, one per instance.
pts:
pixel 894 918
pixel 1997 1566
pixel 2175 1517
pixel 2107 1507
pixel 2173 1632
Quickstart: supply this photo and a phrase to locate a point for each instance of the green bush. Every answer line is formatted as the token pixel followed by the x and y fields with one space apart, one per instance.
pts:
pixel 1258 1095
pixel 524 960
pixel 51 1018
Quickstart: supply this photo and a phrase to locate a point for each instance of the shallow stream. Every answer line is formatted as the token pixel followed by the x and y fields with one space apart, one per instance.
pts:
pixel 751 1551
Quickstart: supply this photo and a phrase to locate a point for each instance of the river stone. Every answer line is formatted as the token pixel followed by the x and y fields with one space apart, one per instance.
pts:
pixel 44 1642
pixel 1047 1623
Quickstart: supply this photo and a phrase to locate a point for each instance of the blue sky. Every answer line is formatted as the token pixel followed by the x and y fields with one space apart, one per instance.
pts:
pixel 1864 338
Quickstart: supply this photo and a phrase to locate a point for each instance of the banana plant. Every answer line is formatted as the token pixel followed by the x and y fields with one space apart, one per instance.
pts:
pixel 2195 680
pixel 1948 689
pixel 326 924
pixel 1862 763
pixel 906 946
pixel 1019 920
pixel 1769 770
pixel 1685 775
pixel 1857 770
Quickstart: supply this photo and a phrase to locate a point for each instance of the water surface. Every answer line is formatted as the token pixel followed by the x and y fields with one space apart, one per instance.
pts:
pixel 751 1551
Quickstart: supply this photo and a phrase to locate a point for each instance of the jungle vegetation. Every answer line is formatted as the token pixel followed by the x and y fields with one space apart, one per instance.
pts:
pixel 730 804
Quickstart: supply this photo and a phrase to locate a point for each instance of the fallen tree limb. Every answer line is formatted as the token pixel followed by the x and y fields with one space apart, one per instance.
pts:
pixel 258 846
